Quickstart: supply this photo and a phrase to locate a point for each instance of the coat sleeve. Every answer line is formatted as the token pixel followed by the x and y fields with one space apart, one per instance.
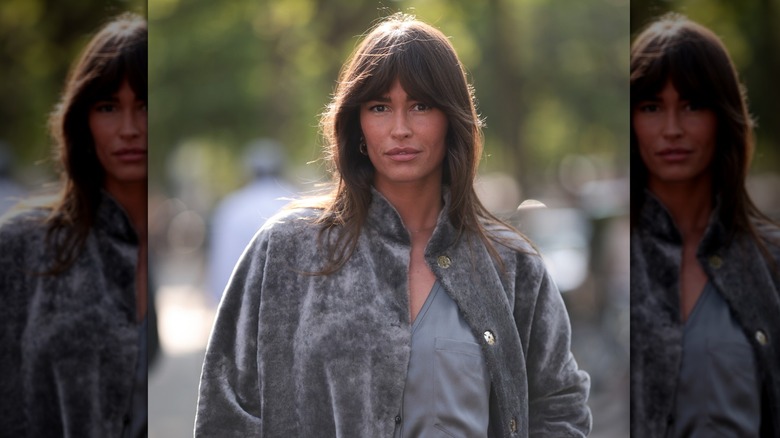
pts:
pixel 229 396
pixel 13 316
pixel 558 390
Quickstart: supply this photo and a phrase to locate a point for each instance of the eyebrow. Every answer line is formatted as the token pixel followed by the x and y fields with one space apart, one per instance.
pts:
pixel 649 96
pixel 384 99
pixel 115 98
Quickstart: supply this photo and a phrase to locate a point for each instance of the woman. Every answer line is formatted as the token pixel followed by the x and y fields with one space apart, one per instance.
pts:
pixel 705 283
pixel 397 305
pixel 73 273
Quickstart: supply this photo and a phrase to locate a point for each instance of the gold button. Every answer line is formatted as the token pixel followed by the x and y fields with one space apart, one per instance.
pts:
pixel 716 262
pixel 761 337
pixel 444 261
pixel 489 337
pixel 513 425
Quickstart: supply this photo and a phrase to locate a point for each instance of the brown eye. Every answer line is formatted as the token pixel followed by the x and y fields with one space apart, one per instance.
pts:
pixel 104 107
pixel 649 108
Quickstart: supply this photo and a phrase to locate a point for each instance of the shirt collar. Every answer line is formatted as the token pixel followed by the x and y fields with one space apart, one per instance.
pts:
pixel 385 220
pixel 112 219
pixel 656 220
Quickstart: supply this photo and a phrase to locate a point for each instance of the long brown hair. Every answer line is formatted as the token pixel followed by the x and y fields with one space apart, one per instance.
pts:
pixel 423 60
pixel 700 68
pixel 117 52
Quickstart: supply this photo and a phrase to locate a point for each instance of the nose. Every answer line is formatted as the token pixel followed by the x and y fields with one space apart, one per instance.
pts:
pixel 400 128
pixel 131 123
pixel 672 127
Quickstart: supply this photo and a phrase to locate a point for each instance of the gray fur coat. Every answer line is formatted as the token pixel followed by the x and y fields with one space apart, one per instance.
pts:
pixel 294 355
pixel 69 343
pixel 741 275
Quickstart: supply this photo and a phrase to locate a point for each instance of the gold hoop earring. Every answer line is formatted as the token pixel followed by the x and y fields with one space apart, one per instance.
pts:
pixel 363 147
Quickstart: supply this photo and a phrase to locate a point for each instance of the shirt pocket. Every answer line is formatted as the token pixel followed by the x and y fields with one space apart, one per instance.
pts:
pixel 461 388
pixel 734 391
pixel 731 359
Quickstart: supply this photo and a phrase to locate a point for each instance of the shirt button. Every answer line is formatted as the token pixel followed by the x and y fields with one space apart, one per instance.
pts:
pixel 715 262
pixel 490 338
pixel 444 261
pixel 397 419
pixel 761 337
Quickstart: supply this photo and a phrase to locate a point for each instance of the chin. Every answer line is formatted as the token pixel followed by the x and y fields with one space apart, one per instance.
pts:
pixel 676 177
pixel 131 178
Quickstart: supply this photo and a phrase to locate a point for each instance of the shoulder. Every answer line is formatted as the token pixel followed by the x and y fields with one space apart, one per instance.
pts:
pixel 285 244
pixel 22 237
pixel 287 229
pixel 291 222
pixel 520 265
pixel 27 219
pixel 512 245
pixel 18 227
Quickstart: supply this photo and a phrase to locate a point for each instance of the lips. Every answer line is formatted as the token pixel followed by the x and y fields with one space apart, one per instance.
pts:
pixel 674 154
pixel 402 154
pixel 131 154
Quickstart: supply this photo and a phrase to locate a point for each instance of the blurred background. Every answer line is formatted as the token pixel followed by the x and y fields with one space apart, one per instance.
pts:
pixel 236 89
pixel 39 39
pixel 750 32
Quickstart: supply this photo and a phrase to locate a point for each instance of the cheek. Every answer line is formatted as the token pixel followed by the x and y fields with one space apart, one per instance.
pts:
pixel 641 127
pixel 644 138
pixel 368 129
pixel 99 128
pixel 438 130
pixel 709 134
pixel 143 121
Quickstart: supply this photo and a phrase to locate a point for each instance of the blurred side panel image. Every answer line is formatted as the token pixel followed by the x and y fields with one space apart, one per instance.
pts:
pixel 75 321
pixel 705 219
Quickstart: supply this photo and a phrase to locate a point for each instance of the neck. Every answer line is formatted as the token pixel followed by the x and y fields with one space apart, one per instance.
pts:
pixel 418 205
pixel 133 198
pixel 689 203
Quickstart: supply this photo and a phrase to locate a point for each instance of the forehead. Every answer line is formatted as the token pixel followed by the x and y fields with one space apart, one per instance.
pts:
pixel 396 89
pixel 668 91
pixel 123 90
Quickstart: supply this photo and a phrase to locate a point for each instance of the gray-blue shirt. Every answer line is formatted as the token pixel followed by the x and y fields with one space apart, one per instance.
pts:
pixel 447 385
pixel 718 389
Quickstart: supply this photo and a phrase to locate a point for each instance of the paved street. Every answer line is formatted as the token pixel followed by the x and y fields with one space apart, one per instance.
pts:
pixel 185 321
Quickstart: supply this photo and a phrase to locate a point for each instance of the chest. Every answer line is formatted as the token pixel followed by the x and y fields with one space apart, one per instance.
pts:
pixel 421 279
pixel 692 280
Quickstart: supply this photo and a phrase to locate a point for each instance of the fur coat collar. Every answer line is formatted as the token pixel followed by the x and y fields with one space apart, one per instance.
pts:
pixel 69 343
pixel 302 355
pixel 740 273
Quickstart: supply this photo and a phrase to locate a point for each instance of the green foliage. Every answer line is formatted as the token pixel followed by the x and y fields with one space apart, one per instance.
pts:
pixel 225 73
pixel 749 31
pixel 39 39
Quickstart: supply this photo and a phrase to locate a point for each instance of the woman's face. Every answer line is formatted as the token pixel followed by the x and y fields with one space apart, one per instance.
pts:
pixel 676 137
pixel 118 126
pixel 405 138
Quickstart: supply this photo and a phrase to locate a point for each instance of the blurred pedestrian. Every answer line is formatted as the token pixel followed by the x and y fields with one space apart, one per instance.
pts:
pixel 73 271
pixel 705 263
pixel 395 305
pixel 238 217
